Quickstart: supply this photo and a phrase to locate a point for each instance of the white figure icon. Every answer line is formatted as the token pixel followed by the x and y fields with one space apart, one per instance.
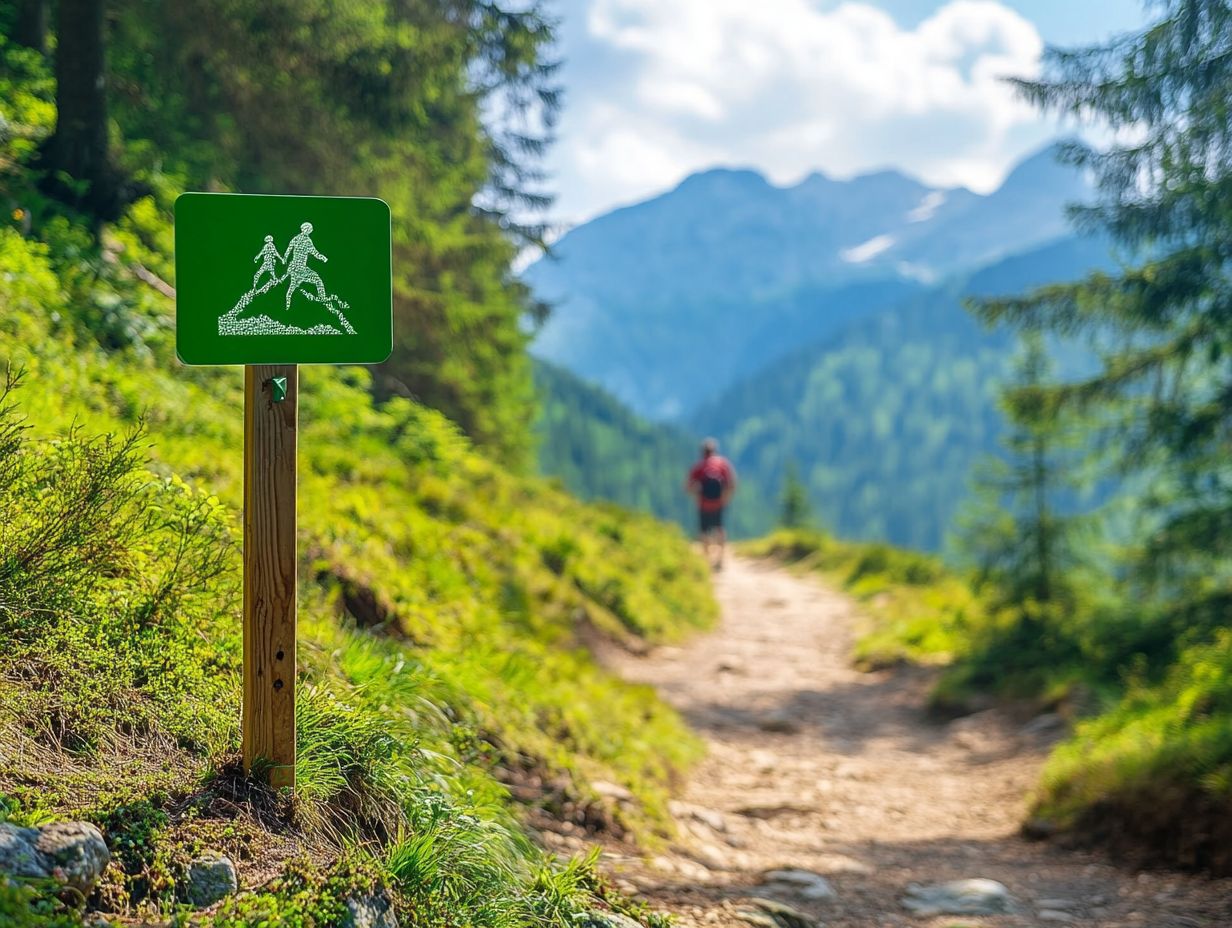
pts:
pixel 299 278
pixel 298 272
pixel 268 255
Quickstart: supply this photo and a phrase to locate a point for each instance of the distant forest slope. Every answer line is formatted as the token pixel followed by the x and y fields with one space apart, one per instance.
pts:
pixel 601 450
pixel 884 420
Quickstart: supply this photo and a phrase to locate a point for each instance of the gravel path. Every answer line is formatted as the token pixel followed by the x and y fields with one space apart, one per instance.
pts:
pixel 814 765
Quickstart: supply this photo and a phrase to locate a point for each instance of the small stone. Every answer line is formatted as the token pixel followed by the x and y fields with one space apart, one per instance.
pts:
pixel 757 919
pixel 211 878
pixel 1048 724
pixel 779 723
pixel 808 884
pixel 605 920
pixel 611 791
pixel 1062 904
pixel 960 897
pixel 1038 829
pixel 839 863
pixel 730 664
pixel 713 858
pixel 711 818
pixel 373 910
pixel 762 761
pixel 1054 915
pixel 779 915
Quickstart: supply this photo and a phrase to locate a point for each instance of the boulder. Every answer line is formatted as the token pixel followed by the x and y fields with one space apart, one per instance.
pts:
pixel 72 853
pixel 960 897
pixel 373 910
pixel 210 878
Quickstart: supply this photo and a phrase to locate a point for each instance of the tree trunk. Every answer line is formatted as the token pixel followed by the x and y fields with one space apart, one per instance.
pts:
pixel 30 29
pixel 79 147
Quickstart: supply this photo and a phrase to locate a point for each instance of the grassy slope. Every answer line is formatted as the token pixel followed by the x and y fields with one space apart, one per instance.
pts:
pixel 1148 767
pixel 122 686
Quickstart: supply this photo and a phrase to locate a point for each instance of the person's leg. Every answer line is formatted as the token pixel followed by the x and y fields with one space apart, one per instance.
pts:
pixel 711 527
pixel 292 287
pixel 316 281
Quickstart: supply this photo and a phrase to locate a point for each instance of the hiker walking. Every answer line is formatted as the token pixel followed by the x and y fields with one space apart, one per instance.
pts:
pixel 267 256
pixel 712 482
pixel 299 251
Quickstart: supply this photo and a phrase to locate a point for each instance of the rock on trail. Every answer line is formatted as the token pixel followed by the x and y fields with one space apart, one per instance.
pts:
pixel 829 794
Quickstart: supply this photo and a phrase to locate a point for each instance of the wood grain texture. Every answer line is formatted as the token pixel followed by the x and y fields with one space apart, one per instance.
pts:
pixel 270 571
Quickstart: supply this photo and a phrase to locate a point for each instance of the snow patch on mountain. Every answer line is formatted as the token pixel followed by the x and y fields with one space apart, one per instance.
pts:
pixel 928 206
pixel 865 252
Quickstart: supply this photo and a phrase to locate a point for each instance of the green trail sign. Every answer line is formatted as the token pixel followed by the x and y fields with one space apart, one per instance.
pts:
pixel 282 280
pixel 271 283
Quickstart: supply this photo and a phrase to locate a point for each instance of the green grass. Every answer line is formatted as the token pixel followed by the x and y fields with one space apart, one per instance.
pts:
pixel 444 607
pixel 1156 770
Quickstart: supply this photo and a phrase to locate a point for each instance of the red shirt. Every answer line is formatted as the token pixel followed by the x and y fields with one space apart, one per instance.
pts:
pixel 719 468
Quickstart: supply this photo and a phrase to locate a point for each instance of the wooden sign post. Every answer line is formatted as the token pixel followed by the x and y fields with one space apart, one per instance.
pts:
pixel 283 315
pixel 271 407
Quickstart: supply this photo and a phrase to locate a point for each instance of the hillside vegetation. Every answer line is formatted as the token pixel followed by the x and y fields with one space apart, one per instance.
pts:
pixel 447 703
pixel 444 602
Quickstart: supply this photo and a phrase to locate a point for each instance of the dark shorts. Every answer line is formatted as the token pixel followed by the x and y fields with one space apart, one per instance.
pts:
pixel 710 520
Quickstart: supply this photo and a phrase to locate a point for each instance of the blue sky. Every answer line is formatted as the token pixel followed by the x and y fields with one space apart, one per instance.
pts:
pixel 658 89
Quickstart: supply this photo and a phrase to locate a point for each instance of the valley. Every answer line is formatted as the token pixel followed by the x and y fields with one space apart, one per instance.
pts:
pixel 790 324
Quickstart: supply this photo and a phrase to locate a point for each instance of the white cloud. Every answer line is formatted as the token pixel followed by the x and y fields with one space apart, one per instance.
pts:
pixel 787 87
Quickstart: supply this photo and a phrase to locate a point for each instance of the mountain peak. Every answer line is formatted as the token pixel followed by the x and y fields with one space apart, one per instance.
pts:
pixel 724 177
pixel 1044 169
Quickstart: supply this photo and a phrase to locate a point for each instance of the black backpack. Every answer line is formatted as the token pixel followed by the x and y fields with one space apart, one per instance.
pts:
pixel 712 486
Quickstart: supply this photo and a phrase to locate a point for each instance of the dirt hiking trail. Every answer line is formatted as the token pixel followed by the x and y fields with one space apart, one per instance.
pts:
pixel 840 775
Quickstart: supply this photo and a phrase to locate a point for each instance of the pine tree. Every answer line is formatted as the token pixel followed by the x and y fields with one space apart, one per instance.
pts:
pixel 1016 532
pixel 794 511
pixel 442 108
pixel 1162 329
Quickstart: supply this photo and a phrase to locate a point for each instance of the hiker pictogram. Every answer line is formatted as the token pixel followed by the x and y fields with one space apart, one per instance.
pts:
pixel 299 278
pixel 267 256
